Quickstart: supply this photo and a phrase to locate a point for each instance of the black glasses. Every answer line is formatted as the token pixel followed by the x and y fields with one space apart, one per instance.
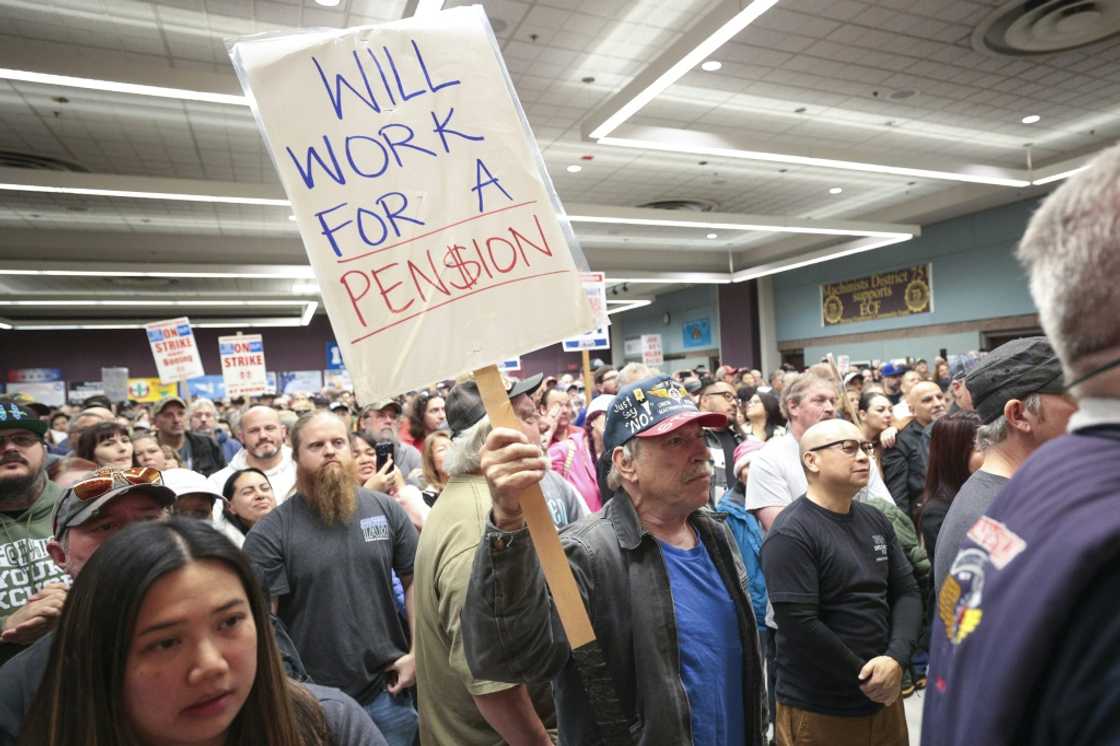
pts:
pixel 727 395
pixel 850 446
pixel 21 440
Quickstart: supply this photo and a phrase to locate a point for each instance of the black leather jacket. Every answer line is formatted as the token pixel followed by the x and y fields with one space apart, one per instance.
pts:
pixel 904 466
pixel 511 631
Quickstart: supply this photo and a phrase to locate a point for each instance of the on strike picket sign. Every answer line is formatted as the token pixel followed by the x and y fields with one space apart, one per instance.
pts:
pixel 243 368
pixel 175 350
pixel 599 338
pixel 420 195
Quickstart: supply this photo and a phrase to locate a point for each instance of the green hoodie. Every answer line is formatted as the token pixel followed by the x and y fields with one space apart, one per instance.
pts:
pixel 25 566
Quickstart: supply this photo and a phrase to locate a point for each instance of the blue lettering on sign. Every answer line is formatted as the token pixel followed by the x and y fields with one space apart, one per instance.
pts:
pixel 183 330
pixel 480 169
pixel 256 347
pixel 334 356
pixel 225 349
pixel 155 335
pixel 371 82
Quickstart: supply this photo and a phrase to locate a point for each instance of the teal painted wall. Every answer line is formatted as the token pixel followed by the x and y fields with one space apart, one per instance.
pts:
pixel 689 304
pixel 975 276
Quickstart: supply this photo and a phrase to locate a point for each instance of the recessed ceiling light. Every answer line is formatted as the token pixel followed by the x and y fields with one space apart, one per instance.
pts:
pixel 574 169
pixel 713 235
pixel 835 190
pixel 328 3
pixel 711 66
pixel 1031 118
pixel 292 218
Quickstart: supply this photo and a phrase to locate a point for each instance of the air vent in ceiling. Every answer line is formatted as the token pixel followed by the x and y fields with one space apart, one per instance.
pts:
pixel 11 159
pixel 1036 27
pixel 685 205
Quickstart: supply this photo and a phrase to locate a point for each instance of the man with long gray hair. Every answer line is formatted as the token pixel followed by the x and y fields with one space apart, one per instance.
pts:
pixel 1019 395
pixel 458 707
pixel 1028 623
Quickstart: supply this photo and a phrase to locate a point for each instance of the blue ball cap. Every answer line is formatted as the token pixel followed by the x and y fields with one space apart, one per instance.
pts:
pixel 651 407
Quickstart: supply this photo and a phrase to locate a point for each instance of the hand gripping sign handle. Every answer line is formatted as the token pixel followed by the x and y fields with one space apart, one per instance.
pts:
pixel 586 653
pixel 561 582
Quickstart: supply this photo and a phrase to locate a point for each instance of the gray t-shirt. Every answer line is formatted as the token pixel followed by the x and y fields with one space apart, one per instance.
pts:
pixel 564 502
pixel 335 589
pixel 348 723
pixel 975 495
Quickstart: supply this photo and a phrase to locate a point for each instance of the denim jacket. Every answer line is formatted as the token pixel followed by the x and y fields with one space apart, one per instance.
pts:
pixel 748 535
pixel 512 632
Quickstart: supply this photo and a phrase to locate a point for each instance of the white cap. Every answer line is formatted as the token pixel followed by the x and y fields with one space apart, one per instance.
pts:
pixel 187 482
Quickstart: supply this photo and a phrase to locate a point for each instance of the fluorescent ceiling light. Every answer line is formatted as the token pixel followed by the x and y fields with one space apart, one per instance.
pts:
pixel 328 3
pixel 4 325
pixel 845 249
pixel 305 288
pixel 629 306
pixel 835 190
pixel 666 223
pixel 308 312
pixel 1058 176
pixel 711 66
pixel 219 198
pixel 574 169
pixel 289 273
pixel 155 302
pixel 800 160
pixel 688 61
pixel 94 84
pixel 707 278
pixel 1030 119
pixel 713 235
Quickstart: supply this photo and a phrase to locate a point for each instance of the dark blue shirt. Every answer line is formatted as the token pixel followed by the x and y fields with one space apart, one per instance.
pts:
pixel 711 651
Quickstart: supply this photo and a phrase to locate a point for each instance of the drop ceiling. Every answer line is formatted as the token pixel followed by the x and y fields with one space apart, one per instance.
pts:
pixel 890 82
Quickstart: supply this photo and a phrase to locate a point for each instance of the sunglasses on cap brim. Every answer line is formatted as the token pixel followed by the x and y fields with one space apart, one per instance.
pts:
pixel 105 480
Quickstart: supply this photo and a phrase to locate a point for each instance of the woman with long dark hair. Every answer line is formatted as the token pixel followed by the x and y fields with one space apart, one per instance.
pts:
pixel 425 415
pixel 249 498
pixel 763 417
pixel 165 634
pixel 106 444
pixel 953 457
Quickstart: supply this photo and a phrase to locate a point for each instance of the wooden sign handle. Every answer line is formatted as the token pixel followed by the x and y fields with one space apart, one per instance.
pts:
pixel 587 379
pixel 546 542
pixel 852 411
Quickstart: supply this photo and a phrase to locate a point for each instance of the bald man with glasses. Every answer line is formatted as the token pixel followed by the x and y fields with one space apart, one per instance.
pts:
pixel 844 596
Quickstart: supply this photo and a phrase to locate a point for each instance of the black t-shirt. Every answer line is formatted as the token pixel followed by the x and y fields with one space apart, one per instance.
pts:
pixel 850 567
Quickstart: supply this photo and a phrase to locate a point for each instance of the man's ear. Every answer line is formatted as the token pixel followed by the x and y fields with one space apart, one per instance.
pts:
pixel 623 465
pixel 56 551
pixel 809 462
pixel 1016 415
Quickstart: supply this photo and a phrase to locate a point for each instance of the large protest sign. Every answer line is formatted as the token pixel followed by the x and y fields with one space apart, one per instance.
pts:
pixel 174 349
pixel 243 368
pixel 421 197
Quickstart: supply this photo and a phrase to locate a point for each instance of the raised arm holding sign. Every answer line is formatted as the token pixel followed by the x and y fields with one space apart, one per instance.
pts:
pixel 427 213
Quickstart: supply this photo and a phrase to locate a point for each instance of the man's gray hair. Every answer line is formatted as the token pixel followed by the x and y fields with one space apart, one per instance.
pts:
pixel 465 454
pixel 201 402
pixel 996 431
pixel 629 453
pixel 632 372
pixel 794 391
pixel 1070 251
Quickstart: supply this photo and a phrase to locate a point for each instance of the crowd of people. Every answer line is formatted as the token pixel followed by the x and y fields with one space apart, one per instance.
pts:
pixel 783 557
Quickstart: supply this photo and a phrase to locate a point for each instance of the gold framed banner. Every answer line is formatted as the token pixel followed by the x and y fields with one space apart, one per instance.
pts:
pixel 886 295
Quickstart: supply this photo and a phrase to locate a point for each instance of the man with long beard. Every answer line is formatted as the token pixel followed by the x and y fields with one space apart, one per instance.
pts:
pixel 327 556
